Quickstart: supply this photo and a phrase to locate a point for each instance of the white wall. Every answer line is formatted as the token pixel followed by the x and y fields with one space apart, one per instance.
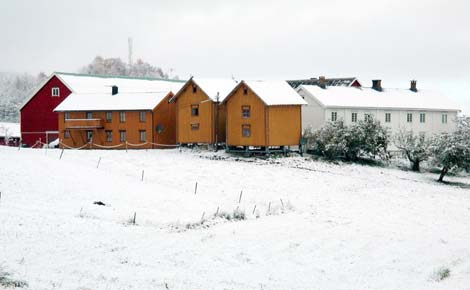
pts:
pixel 313 115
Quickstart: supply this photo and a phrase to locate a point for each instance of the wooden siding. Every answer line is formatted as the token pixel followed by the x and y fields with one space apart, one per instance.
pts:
pixel 184 119
pixel 235 119
pixel 285 125
pixel 132 126
pixel 164 116
pixel 270 125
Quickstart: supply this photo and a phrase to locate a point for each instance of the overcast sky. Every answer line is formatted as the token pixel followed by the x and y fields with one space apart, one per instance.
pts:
pixel 427 40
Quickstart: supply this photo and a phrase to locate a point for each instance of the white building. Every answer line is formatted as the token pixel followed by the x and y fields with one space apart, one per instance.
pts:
pixel 421 111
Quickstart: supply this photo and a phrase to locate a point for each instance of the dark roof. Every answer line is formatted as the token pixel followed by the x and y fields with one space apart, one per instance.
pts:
pixel 332 82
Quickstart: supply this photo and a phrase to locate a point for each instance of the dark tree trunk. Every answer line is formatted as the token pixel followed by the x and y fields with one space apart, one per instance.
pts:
pixel 443 173
pixel 415 165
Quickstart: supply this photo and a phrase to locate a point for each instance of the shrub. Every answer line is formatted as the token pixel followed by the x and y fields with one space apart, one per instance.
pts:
pixel 335 140
pixel 7 282
pixel 415 148
pixel 441 274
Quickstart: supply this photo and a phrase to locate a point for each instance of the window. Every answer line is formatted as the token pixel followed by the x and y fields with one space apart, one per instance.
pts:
pixel 367 117
pixel 245 90
pixel 89 135
pixel 109 136
pixel 109 117
pixel 195 126
pixel 444 118
pixel 122 136
pixel 195 110
pixel 409 117
pixel 89 115
pixel 66 116
pixel 143 136
pixel 354 117
pixel 142 117
pixel 334 116
pixel 194 89
pixel 55 92
pixel 66 134
pixel 245 112
pixel 246 130
pixel 422 118
pixel 388 117
pixel 122 117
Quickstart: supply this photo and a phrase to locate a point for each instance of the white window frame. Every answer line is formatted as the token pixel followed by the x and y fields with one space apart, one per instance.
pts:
pixel 89 115
pixel 422 117
pixel 353 117
pixel 55 92
pixel 334 116
pixel 143 133
pixel 122 133
pixel 444 118
pixel 409 117
pixel 89 135
pixel 388 117
pixel 142 116
pixel 122 117
pixel 110 135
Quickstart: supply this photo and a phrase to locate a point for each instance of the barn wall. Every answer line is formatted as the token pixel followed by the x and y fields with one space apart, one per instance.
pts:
pixel 284 125
pixel 37 115
pixel 184 119
pixel 235 119
pixel 132 126
pixel 164 116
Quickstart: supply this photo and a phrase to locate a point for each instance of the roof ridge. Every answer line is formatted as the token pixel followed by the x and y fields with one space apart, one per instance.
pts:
pixel 118 77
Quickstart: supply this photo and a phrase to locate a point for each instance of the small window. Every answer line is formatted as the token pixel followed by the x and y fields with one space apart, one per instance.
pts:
pixel 66 116
pixel 245 90
pixel 246 130
pixel 122 117
pixel 89 115
pixel 143 136
pixel 422 118
pixel 109 136
pixel 354 117
pixel 246 112
pixel 444 118
pixel 66 134
pixel 89 135
pixel 142 117
pixel 109 117
pixel 195 126
pixel 388 117
pixel 122 136
pixel 409 117
pixel 194 89
pixel 195 110
pixel 334 116
pixel 367 117
pixel 55 92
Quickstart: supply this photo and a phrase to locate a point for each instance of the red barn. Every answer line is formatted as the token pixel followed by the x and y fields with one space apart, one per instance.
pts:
pixel 39 122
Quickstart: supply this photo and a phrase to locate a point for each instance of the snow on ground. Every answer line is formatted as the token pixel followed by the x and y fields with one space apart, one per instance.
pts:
pixel 338 227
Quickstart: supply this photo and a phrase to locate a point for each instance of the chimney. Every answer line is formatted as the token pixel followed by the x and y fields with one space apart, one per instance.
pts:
pixel 114 90
pixel 322 82
pixel 377 85
pixel 413 86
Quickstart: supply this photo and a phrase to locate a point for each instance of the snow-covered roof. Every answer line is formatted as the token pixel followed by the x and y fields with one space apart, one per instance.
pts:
pixel 109 102
pixel 213 86
pixel 275 93
pixel 83 84
pixel 96 84
pixel 10 129
pixel 351 97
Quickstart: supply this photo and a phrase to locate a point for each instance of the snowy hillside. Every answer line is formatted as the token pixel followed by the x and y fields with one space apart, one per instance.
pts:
pixel 315 225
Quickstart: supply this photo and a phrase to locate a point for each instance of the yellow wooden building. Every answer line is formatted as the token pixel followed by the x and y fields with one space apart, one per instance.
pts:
pixel 264 114
pixel 200 113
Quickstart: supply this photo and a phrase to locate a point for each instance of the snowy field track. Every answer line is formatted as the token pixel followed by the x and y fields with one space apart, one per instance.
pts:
pixel 299 224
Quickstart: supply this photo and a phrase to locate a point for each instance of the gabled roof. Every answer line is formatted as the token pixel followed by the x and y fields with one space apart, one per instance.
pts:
pixel 109 102
pixel 273 93
pixel 211 87
pixel 351 97
pixel 344 82
pixel 96 84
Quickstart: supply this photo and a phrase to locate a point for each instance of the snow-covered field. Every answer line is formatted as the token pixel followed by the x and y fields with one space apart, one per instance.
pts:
pixel 337 227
